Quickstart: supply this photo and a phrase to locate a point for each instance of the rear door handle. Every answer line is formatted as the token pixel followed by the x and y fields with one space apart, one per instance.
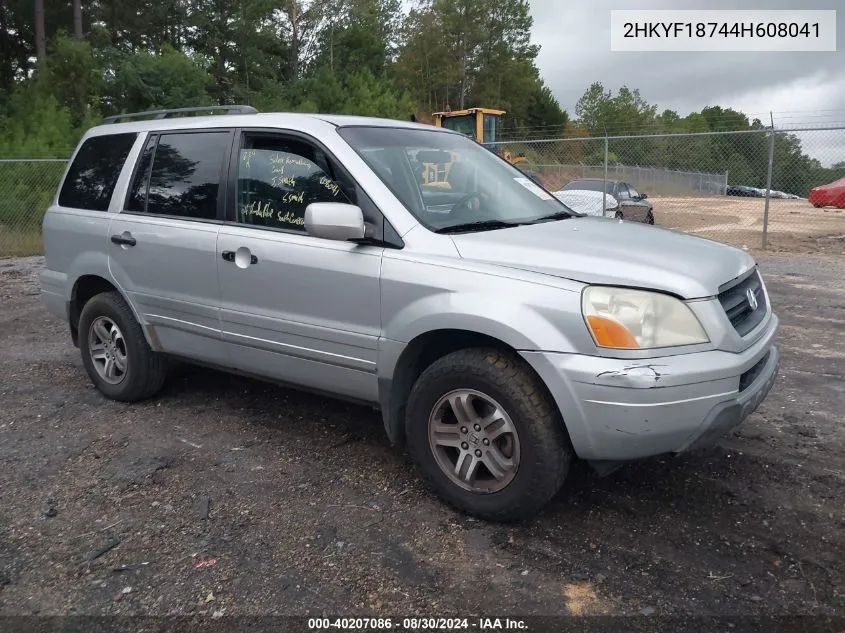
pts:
pixel 229 256
pixel 124 240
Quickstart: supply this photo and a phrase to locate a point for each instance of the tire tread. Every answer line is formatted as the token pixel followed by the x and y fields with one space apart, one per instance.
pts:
pixel 513 376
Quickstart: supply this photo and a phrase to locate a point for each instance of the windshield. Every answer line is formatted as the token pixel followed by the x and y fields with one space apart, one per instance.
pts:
pixel 479 187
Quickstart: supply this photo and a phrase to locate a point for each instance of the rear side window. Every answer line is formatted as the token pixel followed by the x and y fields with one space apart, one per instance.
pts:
pixel 184 180
pixel 93 174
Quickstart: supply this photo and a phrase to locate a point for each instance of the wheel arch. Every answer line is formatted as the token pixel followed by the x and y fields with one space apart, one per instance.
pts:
pixel 420 353
pixel 87 286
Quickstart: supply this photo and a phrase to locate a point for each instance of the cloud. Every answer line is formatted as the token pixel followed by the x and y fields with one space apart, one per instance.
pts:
pixel 574 36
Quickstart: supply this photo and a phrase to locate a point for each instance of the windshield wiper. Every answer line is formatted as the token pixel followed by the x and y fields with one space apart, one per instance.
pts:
pixel 481 225
pixel 557 215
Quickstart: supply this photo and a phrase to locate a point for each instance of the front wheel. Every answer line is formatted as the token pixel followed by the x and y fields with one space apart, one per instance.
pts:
pixel 649 218
pixel 486 436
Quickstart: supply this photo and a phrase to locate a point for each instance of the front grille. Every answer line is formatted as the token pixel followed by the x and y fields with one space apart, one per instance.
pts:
pixel 738 307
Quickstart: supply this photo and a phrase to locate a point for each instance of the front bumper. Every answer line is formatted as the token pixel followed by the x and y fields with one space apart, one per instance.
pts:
pixel 621 409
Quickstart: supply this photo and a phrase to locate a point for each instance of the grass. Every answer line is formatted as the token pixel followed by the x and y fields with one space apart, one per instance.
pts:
pixel 20 243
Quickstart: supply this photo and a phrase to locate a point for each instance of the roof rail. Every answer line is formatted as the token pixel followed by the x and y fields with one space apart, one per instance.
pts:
pixel 163 114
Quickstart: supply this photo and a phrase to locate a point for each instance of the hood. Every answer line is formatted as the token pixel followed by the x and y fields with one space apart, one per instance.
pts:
pixel 599 250
pixel 836 184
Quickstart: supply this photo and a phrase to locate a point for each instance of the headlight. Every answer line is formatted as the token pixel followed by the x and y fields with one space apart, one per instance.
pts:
pixel 621 318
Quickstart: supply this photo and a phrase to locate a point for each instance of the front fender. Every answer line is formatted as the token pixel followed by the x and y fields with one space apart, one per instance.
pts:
pixel 519 325
pixel 527 311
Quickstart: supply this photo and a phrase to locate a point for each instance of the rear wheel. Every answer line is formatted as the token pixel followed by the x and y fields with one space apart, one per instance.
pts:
pixel 115 353
pixel 619 215
pixel 486 436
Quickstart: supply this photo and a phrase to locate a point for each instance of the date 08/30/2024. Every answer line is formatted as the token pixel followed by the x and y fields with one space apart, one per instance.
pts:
pixel 418 624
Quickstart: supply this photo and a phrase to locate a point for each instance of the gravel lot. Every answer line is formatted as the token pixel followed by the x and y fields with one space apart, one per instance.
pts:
pixel 794 225
pixel 234 497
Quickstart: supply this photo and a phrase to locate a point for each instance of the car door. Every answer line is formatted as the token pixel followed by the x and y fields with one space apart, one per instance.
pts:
pixel 294 307
pixel 163 242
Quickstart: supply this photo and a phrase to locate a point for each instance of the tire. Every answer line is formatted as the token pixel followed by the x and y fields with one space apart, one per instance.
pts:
pixel 649 218
pixel 143 371
pixel 619 215
pixel 539 448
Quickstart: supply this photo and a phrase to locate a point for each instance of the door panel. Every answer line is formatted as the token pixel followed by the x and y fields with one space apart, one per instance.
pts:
pixel 294 307
pixel 170 275
pixel 162 247
pixel 306 312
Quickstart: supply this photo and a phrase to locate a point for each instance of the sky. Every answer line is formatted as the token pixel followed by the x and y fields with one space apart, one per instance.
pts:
pixel 800 88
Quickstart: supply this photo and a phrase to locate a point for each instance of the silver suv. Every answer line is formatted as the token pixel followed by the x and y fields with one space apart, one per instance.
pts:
pixel 500 333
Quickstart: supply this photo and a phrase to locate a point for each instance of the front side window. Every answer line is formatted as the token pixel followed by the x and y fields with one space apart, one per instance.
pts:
pixel 279 177
pixel 185 175
pixel 92 177
pixel 633 192
pixel 480 189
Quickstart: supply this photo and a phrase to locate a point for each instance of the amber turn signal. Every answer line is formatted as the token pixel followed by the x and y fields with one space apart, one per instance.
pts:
pixel 610 333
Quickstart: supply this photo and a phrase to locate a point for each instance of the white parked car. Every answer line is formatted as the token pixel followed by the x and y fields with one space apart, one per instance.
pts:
pixel 588 202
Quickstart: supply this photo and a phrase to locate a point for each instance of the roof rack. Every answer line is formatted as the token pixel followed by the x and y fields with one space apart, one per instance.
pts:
pixel 163 114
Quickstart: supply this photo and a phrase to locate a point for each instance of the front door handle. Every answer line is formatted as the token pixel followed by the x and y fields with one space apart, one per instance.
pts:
pixel 229 256
pixel 124 240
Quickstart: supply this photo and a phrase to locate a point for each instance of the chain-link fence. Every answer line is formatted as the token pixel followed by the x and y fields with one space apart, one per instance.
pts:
pixel 27 187
pixel 753 189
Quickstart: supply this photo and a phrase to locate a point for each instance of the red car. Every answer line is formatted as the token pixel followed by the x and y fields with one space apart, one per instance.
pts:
pixel 829 195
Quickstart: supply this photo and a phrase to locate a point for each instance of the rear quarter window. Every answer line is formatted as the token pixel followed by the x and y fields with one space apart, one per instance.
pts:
pixel 93 174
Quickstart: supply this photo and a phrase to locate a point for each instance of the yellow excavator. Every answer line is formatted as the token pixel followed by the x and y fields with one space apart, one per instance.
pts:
pixel 481 124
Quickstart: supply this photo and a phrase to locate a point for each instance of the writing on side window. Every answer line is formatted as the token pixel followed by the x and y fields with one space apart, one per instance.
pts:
pixel 275 187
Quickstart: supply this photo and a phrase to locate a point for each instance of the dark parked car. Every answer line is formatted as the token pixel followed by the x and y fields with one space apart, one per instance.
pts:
pixel 632 204
pixel 745 192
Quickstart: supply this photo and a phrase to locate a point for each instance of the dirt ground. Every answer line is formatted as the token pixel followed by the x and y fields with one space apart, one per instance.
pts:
pixel 226 496
pixel 794 225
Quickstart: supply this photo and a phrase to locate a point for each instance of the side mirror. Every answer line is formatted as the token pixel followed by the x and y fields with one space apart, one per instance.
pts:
pixel 334 221
pixel 643 196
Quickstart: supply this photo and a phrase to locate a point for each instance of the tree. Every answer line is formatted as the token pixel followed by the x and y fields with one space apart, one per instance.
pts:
pixel 40 31
pixel 71 76
pixel 359 35
pixel 147 81
pixel 77 19
pixel 600 111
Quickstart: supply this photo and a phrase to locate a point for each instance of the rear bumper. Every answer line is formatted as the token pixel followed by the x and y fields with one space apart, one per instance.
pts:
pixel 621 410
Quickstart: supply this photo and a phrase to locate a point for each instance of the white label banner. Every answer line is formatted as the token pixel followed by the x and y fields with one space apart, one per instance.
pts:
pixel 723 30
